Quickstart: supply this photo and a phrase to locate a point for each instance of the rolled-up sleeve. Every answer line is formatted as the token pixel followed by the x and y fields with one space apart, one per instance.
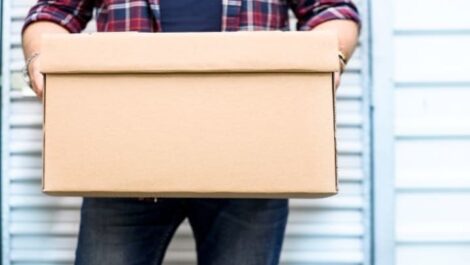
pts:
pixel 73 15
pixel 311 13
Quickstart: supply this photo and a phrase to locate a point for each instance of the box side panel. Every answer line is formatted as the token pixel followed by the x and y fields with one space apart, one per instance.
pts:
pixel 333 99
pixel 172 134
pixel 43 133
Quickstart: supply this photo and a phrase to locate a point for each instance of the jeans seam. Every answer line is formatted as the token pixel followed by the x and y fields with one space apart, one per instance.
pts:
pixel 163 245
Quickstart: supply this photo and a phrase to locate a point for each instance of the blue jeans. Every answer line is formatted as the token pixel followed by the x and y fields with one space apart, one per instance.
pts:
pixel 127 231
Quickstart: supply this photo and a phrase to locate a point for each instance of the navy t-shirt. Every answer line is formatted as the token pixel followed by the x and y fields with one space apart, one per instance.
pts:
pixel 191 15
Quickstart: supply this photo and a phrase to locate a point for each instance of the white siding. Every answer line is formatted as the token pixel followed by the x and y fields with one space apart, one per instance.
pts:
pixel 431 141
pixel 42 230
pixel 437 110
pixel 431 15
pixel 430 58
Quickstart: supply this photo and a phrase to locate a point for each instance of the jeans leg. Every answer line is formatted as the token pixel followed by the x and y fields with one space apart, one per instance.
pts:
pixel 123 231
pixel 238 231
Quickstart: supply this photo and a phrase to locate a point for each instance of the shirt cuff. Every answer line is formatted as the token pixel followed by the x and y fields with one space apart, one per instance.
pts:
pixel 333 13
pixel 41 13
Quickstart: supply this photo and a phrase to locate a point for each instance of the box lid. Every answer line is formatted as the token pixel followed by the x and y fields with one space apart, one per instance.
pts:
pixel 133 52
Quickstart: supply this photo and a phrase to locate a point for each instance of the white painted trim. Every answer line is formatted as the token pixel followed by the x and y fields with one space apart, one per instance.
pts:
pixel 383 138
pixel 5 124
pixel 365 40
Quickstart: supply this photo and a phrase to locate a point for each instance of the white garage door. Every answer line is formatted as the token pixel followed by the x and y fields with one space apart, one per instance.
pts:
pixel 38 229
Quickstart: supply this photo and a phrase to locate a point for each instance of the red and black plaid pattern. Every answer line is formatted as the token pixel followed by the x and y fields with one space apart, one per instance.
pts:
pixel 144 15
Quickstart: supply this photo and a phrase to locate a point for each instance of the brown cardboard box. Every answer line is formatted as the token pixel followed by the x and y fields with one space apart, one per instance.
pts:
pixel 190 114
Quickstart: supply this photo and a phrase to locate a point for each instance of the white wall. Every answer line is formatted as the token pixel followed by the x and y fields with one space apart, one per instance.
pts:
pixel 430 117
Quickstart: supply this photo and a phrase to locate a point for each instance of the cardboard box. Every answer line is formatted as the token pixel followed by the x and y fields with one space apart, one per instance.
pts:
pixel 245 114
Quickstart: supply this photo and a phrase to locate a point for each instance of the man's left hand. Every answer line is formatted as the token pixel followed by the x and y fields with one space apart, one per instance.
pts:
pixel 337 77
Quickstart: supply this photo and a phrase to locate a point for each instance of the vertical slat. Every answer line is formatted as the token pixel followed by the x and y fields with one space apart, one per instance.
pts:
pixel 6 11
pixel 365 73
pixel 383 139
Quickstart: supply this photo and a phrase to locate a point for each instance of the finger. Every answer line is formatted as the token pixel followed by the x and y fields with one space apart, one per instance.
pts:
pixel 337 80
pixel 38 83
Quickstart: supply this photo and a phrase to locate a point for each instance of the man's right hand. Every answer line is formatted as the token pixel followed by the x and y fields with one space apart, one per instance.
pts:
pixel 36 78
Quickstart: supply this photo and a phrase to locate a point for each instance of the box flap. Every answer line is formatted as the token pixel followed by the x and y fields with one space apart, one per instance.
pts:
pixel 273 51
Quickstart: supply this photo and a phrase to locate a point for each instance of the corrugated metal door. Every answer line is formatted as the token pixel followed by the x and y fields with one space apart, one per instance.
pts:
pixel 42 230
pixel 429 108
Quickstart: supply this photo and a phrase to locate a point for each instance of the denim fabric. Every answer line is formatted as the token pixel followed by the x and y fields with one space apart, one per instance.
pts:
pixel 127 231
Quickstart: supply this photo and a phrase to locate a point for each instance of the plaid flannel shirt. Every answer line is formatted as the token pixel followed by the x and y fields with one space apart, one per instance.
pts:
pixel 144 15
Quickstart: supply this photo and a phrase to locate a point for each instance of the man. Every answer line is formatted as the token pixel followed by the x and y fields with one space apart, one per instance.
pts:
pixel 129 231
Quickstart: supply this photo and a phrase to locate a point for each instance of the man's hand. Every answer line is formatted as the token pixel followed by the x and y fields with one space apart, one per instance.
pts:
pixel 337 81
pixel 348 33
pixel 36 78
pixel 32 45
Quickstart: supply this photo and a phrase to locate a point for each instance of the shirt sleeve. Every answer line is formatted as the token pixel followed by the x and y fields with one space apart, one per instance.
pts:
pixel 311 13
pixel 73 15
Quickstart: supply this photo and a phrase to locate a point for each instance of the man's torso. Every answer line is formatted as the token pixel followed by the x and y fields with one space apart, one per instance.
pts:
pixel 146 15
